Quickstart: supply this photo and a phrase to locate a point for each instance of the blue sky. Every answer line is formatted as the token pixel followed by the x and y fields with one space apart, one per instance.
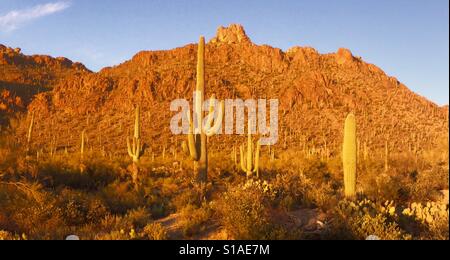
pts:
pixel 409 39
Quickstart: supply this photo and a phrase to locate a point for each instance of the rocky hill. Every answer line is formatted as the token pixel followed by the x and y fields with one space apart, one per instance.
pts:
pixel 315 90
pixel 22 77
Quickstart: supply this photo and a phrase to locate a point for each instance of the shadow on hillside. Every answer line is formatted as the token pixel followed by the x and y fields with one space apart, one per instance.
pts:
pixel 25 91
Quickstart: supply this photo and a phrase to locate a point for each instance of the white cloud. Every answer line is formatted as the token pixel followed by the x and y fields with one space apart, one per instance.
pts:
pixel 14 19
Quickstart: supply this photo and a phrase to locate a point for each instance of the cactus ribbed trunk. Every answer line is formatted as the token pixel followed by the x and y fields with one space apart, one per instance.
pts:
pixel 386 156
pixel 250 165
pixel 198 139
pixel 83 133
pixel 202 164
pixel 137 123
pixel 349 156
pixel 249 153
pixel 136 149
pixel 30 131
pixel 366 152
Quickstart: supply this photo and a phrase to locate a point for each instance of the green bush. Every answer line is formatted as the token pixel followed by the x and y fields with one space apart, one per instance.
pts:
pixel 154 231
pixel 193 220
pixel 244 211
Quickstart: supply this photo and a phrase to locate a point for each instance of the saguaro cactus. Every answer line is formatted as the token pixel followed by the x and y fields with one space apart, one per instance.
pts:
pixel 83 133
pixel 30 131
pixel 349 156
pixel 366 151
pixel 135 149
pixel 83 137
pixel 386 156
pixel 198 137
pixel 251 164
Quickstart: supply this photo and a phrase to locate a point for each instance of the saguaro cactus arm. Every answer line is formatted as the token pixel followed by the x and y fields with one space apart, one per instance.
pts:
pixel 249 151
pixel 193 148
pixel 135 149
pixel 243 166
pixel 209 128
pixel 256 168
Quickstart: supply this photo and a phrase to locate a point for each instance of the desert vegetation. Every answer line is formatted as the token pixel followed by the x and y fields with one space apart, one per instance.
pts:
pixel 294 197
pixel 367 182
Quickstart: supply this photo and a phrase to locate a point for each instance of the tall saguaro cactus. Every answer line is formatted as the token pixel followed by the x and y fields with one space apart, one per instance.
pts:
pixel 30 131
pixel 198 136
pixel 83 134
pixel 386 156
pixel 250 165
pixel 349 156
pixel 135 149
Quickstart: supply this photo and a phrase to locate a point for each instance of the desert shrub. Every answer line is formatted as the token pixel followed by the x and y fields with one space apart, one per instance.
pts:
pixel 289 193
pixel 154 231
pixel 439 155
pixel 80 209
pixel 379 185
pixel 116 227
pixel 40 221
pixel 155 195
pixel 358 220
pixel 57 173
pixel 138 218
pixel 425 185
pixel 193 220
pixel 244 211
pixel 296 189
pixel 32 211
pixel 317 171
pixel 121 197
pixel 222 166
pixel 319 185
pixel 159 194
pixel 323 196
pixel 112 223
pixel 189 196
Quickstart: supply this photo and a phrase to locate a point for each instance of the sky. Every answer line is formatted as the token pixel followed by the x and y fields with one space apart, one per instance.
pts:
pixel 408 39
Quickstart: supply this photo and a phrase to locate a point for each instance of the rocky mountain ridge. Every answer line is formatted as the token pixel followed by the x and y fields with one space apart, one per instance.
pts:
pixel 315 90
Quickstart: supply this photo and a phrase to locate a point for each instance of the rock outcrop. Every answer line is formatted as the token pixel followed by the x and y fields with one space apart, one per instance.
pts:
pixel 344 56
pixel 232 34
